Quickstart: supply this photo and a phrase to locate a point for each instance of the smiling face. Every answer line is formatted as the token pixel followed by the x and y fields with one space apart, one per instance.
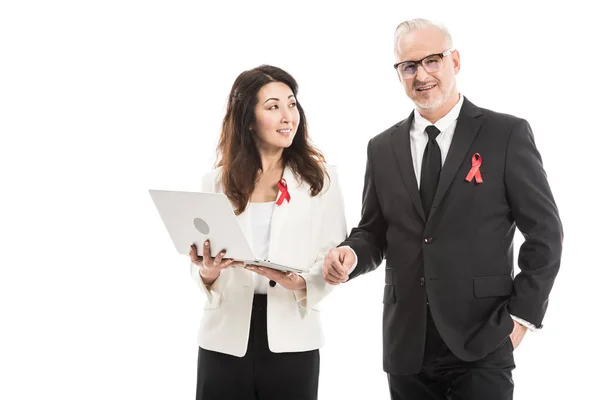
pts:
pixel 430 91
pixel 277 117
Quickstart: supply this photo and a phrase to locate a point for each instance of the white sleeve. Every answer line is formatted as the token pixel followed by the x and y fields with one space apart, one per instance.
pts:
pixel 333 232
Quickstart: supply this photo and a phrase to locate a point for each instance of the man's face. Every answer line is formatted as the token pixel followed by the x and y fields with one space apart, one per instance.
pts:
pixel 428 90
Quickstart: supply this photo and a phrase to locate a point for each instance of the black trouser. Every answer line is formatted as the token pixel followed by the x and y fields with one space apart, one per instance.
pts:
pixel 260 374
pixel 445 376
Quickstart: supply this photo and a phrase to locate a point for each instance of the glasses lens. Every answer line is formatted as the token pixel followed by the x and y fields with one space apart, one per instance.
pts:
pixel 432 63
pixel 407 69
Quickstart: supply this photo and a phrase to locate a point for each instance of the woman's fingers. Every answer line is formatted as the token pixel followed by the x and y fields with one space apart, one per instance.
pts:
pixel 277 276
pixel 289 280
pixel 218 262
pixel 194 254
pixel 219 257
pixel 229 262
pixel 206 250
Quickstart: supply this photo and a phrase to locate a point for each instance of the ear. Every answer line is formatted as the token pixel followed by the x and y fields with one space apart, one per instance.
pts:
pixel 456 61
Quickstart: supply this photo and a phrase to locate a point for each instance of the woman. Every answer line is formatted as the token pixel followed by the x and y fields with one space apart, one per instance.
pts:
pixel 260 330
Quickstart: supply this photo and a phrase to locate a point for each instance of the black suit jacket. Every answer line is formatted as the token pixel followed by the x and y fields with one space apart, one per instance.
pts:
pixel 461 257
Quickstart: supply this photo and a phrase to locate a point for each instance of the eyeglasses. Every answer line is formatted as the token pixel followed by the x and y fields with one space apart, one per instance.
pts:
pixel 431 63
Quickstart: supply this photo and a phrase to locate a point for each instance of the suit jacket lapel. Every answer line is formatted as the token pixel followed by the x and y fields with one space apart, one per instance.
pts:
pixel 280 213
pixel 466 130
pixel 401 148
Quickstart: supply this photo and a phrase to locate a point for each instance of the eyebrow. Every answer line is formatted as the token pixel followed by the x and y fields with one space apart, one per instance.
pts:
pixel 276 99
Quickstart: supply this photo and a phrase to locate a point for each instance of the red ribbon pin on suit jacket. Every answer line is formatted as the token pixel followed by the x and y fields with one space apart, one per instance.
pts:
pixel 285 194
pixel 476 161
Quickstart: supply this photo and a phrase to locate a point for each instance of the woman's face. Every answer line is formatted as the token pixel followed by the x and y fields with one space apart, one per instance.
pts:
pixel 277 117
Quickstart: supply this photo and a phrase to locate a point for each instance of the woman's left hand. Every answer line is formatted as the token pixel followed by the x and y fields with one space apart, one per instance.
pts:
pixel 289 280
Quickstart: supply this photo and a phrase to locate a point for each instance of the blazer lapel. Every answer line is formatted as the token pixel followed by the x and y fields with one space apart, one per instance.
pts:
pixel 246 224
pixel 280 214
pixel 401 147
pixel 467 128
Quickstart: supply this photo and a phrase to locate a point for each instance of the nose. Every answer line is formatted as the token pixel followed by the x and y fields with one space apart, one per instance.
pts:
pixel 286 115
pixel 421 74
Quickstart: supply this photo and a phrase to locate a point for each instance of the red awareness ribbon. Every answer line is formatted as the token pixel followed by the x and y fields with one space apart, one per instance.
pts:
pixel 476 161
pixel 285 195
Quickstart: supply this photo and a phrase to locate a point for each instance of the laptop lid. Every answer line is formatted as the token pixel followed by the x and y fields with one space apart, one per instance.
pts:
pixel 193 217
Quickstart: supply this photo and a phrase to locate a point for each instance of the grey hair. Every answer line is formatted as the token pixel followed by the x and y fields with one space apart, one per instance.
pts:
pixel 414 24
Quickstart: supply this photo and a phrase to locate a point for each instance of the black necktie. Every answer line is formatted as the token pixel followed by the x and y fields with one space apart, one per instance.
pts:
pixel 430 169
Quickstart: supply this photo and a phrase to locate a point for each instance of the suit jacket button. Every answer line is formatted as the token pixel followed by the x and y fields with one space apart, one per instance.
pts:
pixel 272 283
pixel 428 239
pixel 422 281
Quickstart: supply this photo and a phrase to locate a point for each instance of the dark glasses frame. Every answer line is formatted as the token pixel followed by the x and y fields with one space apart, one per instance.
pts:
pixel 420 62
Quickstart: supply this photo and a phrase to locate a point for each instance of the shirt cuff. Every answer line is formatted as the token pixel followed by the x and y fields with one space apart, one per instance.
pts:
pixel 300 296
pixel 355 259
pixel 526 324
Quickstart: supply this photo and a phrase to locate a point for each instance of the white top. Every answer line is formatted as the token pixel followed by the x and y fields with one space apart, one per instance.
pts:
pixel 260 219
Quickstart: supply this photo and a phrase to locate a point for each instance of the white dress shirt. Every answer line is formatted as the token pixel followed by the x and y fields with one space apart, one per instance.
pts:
pixel 418 142
pixel 260 221
pixel 419 138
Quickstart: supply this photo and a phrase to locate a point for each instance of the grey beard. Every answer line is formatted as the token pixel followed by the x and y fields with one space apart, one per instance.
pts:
pixel 432 105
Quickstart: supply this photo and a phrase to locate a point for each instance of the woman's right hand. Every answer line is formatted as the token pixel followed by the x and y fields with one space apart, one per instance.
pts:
pixel 210 268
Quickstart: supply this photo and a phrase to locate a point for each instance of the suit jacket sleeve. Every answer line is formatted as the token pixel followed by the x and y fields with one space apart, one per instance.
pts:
pixel 368 239
pixel 536 215
pixel 333 230
pixel 215 291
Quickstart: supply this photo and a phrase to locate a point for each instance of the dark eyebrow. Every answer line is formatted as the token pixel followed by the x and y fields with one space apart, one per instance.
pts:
pixel 276 99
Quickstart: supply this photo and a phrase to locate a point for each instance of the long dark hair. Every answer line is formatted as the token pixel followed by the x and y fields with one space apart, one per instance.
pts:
pixel 237 152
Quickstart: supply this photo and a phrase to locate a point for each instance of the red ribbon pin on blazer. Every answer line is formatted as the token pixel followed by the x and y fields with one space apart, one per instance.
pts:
pixel 475 172
pixel 285 194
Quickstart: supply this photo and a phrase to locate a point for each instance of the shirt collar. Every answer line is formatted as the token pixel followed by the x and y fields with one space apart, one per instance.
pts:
pixel 443 123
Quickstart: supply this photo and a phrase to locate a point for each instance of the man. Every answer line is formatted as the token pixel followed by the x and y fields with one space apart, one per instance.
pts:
pixel 444 191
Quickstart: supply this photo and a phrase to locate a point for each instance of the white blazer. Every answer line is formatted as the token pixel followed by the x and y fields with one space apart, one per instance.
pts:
pixel 302 231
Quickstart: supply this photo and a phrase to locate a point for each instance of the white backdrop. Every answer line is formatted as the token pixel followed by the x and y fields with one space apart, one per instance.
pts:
pixel 102 100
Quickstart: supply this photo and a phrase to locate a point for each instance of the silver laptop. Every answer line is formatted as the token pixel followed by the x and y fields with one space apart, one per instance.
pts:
pixel 193 217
